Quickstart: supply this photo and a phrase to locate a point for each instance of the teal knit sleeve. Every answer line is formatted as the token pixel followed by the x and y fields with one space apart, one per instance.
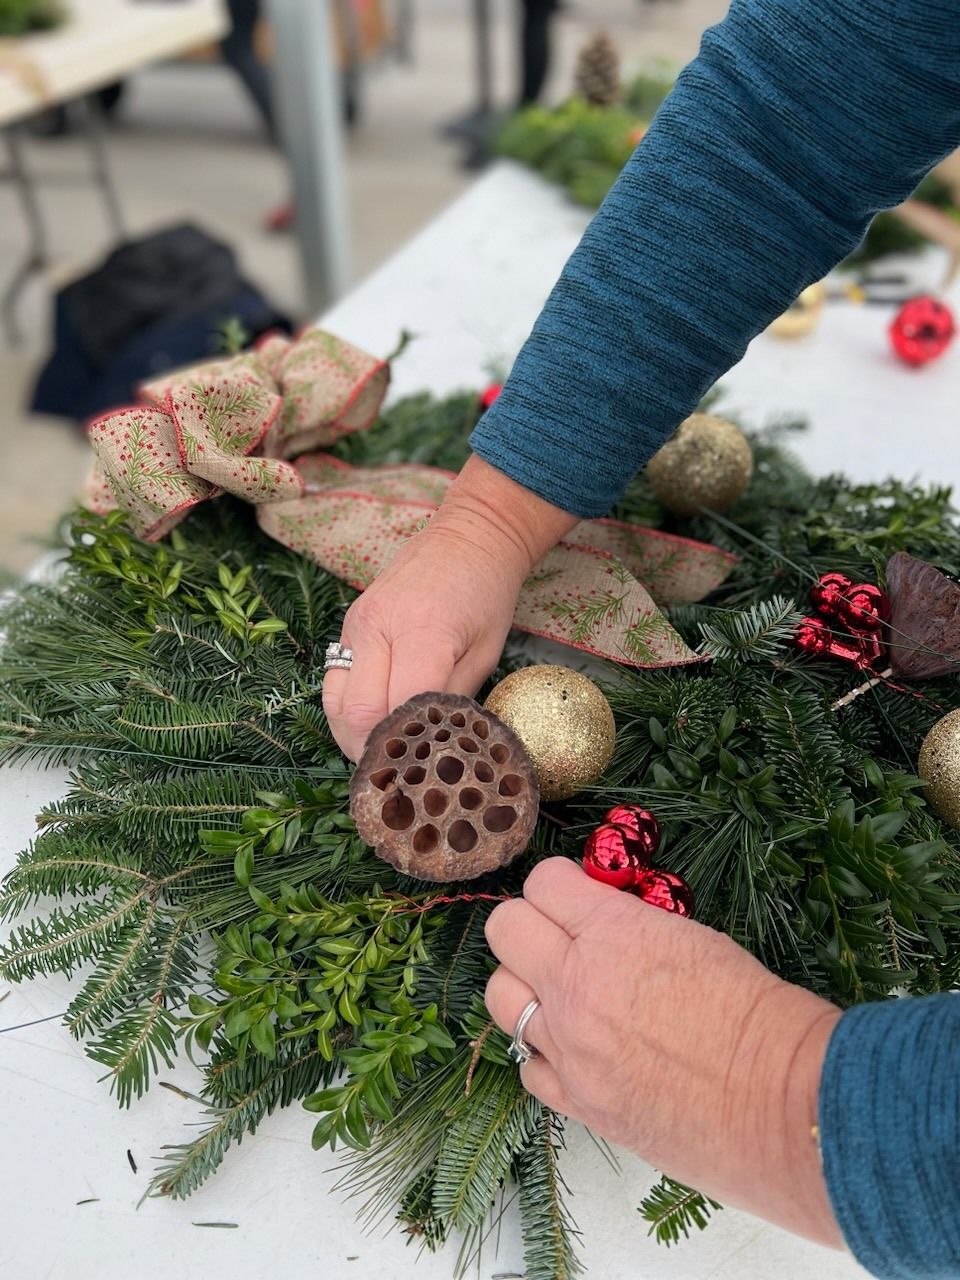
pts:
pixel 890 1135
pixel 797 122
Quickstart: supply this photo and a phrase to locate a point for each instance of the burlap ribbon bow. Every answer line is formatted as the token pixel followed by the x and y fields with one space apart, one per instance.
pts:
pixel 229 426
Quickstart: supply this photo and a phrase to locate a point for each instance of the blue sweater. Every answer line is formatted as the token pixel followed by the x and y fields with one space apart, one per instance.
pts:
pixel 799 120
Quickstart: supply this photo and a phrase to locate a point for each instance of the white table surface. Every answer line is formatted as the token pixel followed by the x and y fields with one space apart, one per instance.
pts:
pixel 469 286
pixel 101 41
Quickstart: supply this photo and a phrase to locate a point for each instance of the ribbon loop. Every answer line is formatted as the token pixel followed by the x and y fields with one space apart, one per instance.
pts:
pixel 230 425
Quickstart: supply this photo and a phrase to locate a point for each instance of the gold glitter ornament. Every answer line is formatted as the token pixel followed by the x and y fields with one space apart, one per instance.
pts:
pixel 803 316
pixel 564 722
pixel 707 464
pixel 939 767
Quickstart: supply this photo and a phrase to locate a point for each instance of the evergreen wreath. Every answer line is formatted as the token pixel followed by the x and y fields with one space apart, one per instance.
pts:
pixel 181 683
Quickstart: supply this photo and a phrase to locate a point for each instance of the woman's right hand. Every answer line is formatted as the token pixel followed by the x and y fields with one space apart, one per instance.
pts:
pixel 436 618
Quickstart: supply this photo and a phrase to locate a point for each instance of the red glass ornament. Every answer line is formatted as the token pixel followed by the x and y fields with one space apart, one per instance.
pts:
pixel 665 889
pixel 863 607
pixel 813 636
pixel 641 826
pixel 828 592
pixel 609 858
pixel 489 394
pixel 922 330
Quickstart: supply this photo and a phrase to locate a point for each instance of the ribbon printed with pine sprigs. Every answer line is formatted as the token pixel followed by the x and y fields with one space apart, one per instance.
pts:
pixel 231 426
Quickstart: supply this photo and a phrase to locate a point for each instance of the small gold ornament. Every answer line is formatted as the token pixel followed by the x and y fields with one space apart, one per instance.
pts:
pixel 564 722
pixel 939 767
pixel 803 316
pixel 708 463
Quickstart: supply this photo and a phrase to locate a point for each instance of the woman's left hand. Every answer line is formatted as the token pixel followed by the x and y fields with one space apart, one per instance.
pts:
pixel 666 1037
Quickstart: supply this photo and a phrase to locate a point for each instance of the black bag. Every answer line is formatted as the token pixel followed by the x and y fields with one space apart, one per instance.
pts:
pixel 154 305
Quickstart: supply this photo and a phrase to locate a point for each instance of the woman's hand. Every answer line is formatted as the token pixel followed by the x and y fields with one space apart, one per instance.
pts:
pixel 436 618
pixel 666 1037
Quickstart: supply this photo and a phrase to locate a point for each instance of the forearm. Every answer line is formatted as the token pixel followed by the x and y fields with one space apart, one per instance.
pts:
pixel 798 121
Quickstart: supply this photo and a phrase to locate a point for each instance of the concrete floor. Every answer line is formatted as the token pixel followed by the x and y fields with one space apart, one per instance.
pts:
pixel 187 145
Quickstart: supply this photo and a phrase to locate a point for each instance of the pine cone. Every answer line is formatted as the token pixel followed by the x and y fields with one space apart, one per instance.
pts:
pixel 597 77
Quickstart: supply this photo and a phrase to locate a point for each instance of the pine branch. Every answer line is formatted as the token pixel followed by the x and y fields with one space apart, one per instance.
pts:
pixel 145 1034
pixel 756 633
pixel 298 1070
pixel 479 1147
pixel 673 1209
pixel 549 1232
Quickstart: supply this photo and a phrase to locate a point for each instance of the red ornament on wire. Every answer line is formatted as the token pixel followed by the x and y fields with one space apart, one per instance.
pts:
pixel 619 853
pixel 641 826
pixel 665 889
pixel 489 394
pixel 922 330
pixel 608 856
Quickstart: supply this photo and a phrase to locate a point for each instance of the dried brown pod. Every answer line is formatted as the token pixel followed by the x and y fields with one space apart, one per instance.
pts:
pixel 924 629
pixel 444 790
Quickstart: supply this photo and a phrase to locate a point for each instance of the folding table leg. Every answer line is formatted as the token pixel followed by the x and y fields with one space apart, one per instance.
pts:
pixel 102 171
pixel 36 257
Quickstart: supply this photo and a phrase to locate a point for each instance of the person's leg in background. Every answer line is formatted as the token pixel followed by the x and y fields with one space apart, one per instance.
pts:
pixel 535 47
pixel 239 53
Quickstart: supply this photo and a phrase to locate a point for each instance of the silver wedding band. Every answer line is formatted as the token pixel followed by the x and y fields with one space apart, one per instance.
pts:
pixel 337 658
pixel 519 1050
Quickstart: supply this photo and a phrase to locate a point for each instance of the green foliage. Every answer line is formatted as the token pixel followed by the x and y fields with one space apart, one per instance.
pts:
pixel 549 1232
pixel 578 145
pixel 206 800
pixel 18 17
pixel 582 146
pixel 673 1209
pixel 648 88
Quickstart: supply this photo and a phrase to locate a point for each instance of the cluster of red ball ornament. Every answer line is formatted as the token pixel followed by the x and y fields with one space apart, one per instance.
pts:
pixel 859 607
pixel 620 853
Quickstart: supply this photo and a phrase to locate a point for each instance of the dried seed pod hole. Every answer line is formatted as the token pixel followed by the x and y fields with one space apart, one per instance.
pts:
pixel 481 729
pixel 500 753
pixel 396 748
pixel 499 817
pixel 434 802
pixel 422 751
pixel 383 778
pixel 413 729
pixel 468 745
pixel 462 836
pixel 426 839
pixel 483 771
pixel 442 735
pixel 511 784
pixel 415 774
pixel 449 769
pixel 434 715
pixel 459 720
pixel 470 798
pixel 398 812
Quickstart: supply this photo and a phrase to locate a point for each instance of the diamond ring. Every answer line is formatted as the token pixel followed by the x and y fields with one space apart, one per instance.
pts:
pixel 519 1050
pixel 337 658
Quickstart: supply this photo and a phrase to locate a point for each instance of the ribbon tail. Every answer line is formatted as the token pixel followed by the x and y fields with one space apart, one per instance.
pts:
pixel 591 601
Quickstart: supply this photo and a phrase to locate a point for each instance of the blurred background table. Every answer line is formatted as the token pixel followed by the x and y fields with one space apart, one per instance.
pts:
pixel 99 43
pixel 469 288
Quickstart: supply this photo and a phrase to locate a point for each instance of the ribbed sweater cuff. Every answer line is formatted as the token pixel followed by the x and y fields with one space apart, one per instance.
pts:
pixel 890 1133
